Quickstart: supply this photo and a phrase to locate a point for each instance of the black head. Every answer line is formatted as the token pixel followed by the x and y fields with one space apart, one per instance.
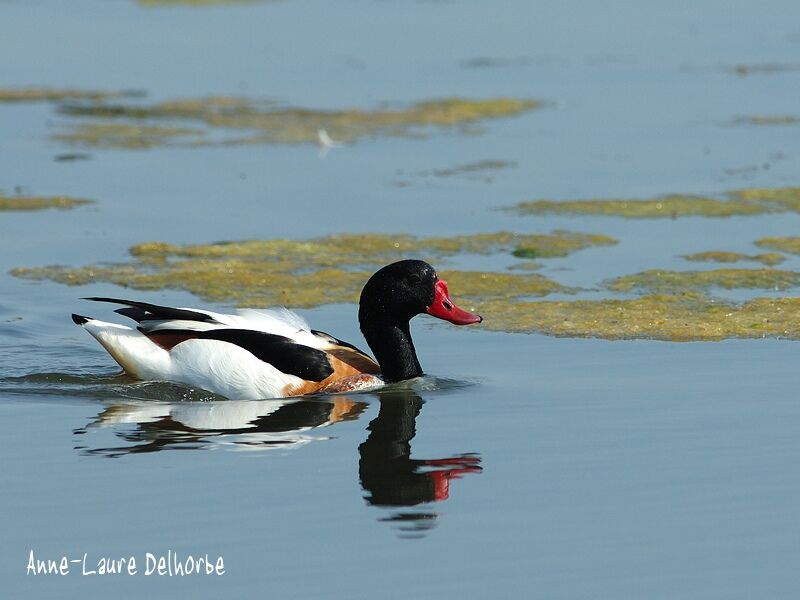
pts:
pixel 400 291
pixel 390 299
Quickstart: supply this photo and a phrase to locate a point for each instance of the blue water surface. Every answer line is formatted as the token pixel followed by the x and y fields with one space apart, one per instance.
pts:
pixel 522 465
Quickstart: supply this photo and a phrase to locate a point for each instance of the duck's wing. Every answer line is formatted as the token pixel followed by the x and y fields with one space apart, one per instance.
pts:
pixel 347 353
pixel 154 318
pixel 144 311
pixel 283 321
pixel 277 337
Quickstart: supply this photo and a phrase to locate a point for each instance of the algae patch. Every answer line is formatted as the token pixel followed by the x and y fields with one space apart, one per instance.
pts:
pixel 672 206
pixel 257 283
pixel 688 317
pixel 745 202
pixel 124 119
pixel 300 273
pixel 265 122
pixel 119 135
pixel 333 269
pixel 559 244
pixel 769 259
pixel 44 94
pixel 27 203
pixel 372 249
pixel 766 120
pixel 675 281
pixel 784 244
pixel 781 199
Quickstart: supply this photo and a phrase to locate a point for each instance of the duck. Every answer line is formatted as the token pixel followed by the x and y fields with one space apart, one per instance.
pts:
pixel 273 353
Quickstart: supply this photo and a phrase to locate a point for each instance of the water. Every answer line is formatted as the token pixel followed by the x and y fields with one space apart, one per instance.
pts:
pixel 523 465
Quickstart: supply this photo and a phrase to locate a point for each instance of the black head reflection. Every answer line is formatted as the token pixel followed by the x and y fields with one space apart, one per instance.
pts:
pixel 391 478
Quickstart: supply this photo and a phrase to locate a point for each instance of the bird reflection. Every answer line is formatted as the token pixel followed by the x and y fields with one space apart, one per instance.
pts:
pixel 389 476
pixel 237 424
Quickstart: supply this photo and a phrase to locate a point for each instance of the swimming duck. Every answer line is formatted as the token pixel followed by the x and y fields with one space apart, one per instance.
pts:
pixel 274 353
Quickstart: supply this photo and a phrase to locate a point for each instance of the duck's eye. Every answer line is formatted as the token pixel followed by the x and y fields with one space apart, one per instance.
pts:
pixel 414 279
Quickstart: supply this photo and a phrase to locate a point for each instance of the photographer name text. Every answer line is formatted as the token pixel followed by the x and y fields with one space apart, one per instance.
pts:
pixel 169 564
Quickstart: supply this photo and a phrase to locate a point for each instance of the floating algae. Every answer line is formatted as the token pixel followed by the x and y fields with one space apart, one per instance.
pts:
pixel 479 286
pixel 208 108
pixel 23 203
pixel 372 249
pixel 781 199
pixel 766 120
pixel 333 269
pixel 784 244
pixel 769 258
pixel 257 283
pixel 745 202
pixel 688 317
pixel 656 208
pixel 43 94
pixel 676 281
pixel 559 243
pixel 674 309
pixel 119 135
pixel 267 123
pixel 298 273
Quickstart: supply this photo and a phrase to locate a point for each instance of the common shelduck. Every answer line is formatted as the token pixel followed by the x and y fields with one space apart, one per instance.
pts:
pixel 273 353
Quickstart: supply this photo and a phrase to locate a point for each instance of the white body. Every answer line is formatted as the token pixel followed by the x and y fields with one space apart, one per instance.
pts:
pixel 216 366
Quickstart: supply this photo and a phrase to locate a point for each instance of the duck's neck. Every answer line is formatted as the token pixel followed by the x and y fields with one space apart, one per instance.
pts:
pixel 393 348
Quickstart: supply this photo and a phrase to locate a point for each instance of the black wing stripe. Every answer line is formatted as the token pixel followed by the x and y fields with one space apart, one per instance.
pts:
pixel 282 353
pixel 333 340
pixel 155 311
pixel 137 314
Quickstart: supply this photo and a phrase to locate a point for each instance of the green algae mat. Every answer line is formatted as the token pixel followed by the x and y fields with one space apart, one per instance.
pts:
pixel 28 203
pixel 745 202
pixel 264 122
pixel 720 256
pixel 305 273
pixel 671 305
pixel 659 304
pixel 683 317
pixel 124 119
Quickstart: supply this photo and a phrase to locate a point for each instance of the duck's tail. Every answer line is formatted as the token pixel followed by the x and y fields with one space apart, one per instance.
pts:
pixel 132 350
